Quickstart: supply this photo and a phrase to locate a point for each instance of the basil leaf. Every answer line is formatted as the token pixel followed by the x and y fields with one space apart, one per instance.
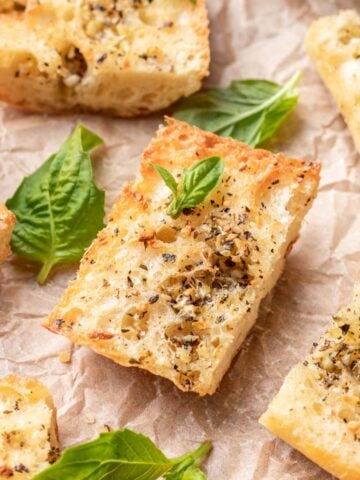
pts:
pixel 198 182
pixel 166 176
pixel 121 455
pixel 248 110
pixel 58 208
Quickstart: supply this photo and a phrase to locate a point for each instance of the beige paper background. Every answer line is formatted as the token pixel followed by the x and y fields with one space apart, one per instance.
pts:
pixel 250 38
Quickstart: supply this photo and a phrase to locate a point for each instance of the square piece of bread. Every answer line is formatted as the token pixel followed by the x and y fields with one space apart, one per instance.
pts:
pixel 28 433
pixel 125 57
pixel 333 44
pixel 178 297
pixel 317 410
pixel 7 221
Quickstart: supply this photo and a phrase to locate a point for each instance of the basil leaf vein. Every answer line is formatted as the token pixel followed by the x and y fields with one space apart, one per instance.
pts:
pixel 248 110
pixel 58 208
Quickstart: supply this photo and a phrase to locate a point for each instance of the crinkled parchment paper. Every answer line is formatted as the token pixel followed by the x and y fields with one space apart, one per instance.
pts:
pixel 250 38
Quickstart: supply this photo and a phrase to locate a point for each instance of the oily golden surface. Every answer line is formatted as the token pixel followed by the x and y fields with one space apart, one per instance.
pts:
pixel 119 57
pixel 177 297
pixel 317 410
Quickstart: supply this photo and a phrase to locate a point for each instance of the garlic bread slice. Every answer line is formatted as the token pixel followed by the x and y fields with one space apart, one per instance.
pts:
pixel 333 44
pixel 177 297
pixel 28 432
pixel 317 409
pixel 125 58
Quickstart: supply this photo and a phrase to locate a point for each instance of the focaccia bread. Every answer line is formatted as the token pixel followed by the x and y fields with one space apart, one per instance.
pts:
pixel 121 57
pixel 178 297
pixel 28 432
pixel 7 221
pixel 333 44
pixel 317 410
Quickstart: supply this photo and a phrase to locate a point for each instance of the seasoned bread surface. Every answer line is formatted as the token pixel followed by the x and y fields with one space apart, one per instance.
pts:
pixel 7 221
pixel 177 297
pixel 317 410
pixel 28 434
pixel 123 58
pixel 333 44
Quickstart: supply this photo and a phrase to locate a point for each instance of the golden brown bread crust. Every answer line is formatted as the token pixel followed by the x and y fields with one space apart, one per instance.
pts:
pixel 7 221
pixel 28 430
pixel 333 44
pixel 177 297
pixel 126 58
pixel 317 410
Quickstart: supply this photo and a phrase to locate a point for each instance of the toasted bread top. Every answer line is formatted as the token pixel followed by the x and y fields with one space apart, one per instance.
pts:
pixel 173 296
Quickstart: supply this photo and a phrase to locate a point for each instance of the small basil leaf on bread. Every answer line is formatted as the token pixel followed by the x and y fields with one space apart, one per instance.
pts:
pixel 197 182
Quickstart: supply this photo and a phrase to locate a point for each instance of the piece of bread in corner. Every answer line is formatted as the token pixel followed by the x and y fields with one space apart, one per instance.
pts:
pixel 178 297
pixel 7 221
pixel 317 410
pixel 333 44
pixel 28 431
pixel 122 58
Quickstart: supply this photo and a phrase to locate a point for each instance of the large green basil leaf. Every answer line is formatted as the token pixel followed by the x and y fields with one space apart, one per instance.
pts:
pixel 248 110
pixel 58 208
pixel 122 455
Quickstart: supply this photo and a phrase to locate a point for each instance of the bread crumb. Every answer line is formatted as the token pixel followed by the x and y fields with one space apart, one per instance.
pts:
pixel 65 356
pixel 90 419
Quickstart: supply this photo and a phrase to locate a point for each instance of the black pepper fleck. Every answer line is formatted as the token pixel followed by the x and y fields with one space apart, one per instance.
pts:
pixel 153 299
pixel 169 257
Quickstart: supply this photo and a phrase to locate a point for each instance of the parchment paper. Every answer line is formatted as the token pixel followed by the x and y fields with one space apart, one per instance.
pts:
pixel 250 38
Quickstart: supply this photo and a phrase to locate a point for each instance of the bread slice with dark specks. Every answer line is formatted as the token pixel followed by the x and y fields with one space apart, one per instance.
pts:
pixel 28 432
pixel 317 410
pixel 178 297
pixel 122 58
